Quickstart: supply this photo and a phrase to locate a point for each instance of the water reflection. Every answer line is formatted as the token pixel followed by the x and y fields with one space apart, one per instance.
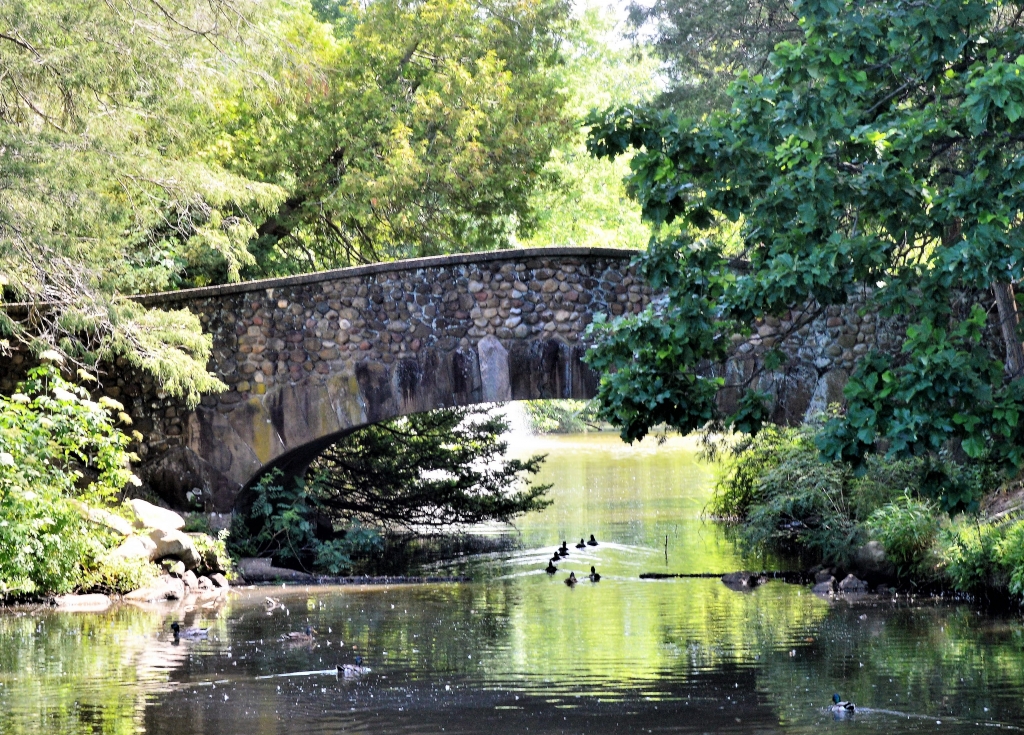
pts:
pixel 518 651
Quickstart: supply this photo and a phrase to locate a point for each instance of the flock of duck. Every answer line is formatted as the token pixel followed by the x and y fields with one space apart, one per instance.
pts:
pixel 563 551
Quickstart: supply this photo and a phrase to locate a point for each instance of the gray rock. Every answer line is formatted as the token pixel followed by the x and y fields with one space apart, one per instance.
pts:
pixel 205 585
pixel 189 578
pixel 83 603
pixel 823 576
pixel 494 370
pixel 164 588
pixel 220 580
pixel 148 515
pixel 177 545
pixel 135 547
pixel 852 585
pixel 174 566
pixel 825 588
pixel 263 570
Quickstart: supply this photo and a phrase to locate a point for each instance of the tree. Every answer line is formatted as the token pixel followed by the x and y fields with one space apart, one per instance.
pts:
pixel 883 148
pixel 429 472
pixel 703 44
pixel 440 469
pixel 426 134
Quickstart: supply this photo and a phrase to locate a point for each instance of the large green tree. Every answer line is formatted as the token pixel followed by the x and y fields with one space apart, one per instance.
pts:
pixel 703 44
pixel 885 147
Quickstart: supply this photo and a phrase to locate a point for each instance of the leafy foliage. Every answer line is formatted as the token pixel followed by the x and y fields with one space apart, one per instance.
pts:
pixel 703 44
pixel 56 446
pixel 439 469
pixel 907 528
pixel 883 148
pixel 562 416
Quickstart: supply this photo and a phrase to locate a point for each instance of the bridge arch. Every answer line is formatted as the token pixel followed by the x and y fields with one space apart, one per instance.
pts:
pixel 309 358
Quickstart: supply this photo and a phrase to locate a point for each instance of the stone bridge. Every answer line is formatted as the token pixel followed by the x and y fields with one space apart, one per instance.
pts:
pixel 309 358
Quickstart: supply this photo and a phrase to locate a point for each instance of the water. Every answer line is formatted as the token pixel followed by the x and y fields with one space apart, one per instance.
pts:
pixel 517 651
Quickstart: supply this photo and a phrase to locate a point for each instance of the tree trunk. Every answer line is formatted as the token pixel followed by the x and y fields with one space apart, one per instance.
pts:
pixel 1008 320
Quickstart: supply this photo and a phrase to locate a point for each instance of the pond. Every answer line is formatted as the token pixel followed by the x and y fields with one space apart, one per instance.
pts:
pixel 519 651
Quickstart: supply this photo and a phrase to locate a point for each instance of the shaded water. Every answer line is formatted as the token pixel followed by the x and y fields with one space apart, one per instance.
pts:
pixel 518 651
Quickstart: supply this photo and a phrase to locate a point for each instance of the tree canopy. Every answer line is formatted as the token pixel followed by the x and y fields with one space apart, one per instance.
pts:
pixel 154 145
pixel 884 147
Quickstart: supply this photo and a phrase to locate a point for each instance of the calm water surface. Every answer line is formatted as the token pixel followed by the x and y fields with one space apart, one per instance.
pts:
pixel 518 651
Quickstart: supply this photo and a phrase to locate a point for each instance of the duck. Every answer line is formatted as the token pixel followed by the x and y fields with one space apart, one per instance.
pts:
pixel 581 545
pixel 592 541
pixel 298 636
pixel 594 576
pixel 189 634
pixel 563 550
pixel 571 580
pixel 350 671
pixel 840 707
pixel 555 557
pixel 551 568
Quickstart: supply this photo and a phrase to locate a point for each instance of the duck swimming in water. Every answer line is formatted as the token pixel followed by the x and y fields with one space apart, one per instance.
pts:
pixel 571 580
pixel 563 550
pixel 551 568
pixel 594 576
pixel 581 545
pixel 297 636
pixel 189 634
pixel 840 707
pixel 592 541
pixel 555 557
pixel 350 671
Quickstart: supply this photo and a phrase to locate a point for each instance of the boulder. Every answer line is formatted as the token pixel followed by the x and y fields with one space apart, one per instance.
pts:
pixel 220 580
pixel 173 566
pixel 263 570
pixel 826 587
pixel 82 603
pixel 205 585
pixel 823 576
pixel 852 585
pixel 164 588
pixel 102 517
pixel 191 583
pixel 177 545
pixel 148 515
pixel 135 547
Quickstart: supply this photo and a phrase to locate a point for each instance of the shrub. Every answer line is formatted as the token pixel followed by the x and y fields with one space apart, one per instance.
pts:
pixel 738 485
pixel 884 480
pixel 970 554
pixel 562 416
pixel 908 529
pixel 213 552
pixel 801 503
pixel 56 445
pixel 1011 557
pixel 118 575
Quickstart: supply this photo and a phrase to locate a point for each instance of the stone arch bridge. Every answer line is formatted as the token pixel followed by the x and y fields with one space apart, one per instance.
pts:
pixel 309 358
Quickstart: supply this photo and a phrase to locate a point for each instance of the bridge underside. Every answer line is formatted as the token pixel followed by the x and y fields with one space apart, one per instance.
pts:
pixel 292 424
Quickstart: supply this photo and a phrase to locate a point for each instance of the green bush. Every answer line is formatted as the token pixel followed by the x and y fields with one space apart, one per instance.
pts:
pixel 562 416
pixel 801 504
pixel 907 528
pixel 738 486
pixel 213 551
pixel 1011 557
pixel 56 446
pixel 970 555
pixel 118 575
pixel 884 481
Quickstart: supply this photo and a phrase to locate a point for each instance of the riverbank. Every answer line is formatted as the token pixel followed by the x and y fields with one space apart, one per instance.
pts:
pixel 882 523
